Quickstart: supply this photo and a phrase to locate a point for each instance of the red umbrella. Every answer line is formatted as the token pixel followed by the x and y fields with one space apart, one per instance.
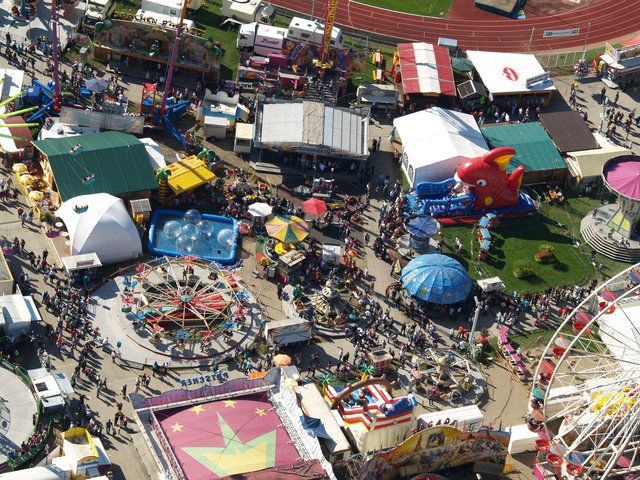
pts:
pixel 315 206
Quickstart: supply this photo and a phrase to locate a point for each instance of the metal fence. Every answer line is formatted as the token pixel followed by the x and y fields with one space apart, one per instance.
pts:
pixel 559 60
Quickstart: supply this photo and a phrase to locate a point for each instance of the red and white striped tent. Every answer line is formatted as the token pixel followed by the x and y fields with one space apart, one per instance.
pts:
pixel 426 70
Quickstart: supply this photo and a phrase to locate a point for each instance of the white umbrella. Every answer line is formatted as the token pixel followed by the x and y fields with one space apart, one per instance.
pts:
pixel 260 209
pixel 96 85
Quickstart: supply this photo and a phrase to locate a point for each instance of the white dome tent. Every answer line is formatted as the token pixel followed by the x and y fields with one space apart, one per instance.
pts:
pixel 104 227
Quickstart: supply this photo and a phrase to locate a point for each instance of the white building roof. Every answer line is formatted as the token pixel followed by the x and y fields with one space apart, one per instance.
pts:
pixel 436 134
pixel 504 73
pixel 244 131
pixel 316 125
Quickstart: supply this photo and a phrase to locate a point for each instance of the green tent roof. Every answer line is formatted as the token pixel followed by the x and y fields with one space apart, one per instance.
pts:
pixel 119 161
pixel 534 149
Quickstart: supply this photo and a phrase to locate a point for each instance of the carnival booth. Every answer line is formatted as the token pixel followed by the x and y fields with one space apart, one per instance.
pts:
pixel 424 73
pixel 373 418
pixel 244 137
pixel 513 76
pixel 585 166
pixel 435 142
pixel 466 419
pixel 618 66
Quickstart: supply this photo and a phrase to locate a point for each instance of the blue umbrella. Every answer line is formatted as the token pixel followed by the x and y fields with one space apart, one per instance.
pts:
pixel 422 227
pixel 437 279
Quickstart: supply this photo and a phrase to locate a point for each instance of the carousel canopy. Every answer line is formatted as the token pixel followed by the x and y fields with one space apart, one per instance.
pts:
pixel 422 226
pixel 437 279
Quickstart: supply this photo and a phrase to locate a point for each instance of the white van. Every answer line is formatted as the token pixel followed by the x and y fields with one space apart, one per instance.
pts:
pixel 302 30
pixel 468 419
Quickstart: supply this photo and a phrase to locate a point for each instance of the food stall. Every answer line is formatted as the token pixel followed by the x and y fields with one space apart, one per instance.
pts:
pixel 290 264
pixel 617 66
pixel 81 268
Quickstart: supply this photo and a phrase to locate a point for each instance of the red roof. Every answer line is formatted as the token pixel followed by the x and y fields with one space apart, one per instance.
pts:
pixel 426 69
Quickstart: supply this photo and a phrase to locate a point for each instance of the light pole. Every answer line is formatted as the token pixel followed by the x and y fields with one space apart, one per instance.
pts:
pixel 474 324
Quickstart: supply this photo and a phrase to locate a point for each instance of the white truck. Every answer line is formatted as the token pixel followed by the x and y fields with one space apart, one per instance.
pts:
pixel 240 12
pixel 96 11
pixel 171 8
pixel 261 39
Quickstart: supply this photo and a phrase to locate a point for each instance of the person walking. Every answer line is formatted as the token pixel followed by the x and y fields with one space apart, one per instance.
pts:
pixel 109 426
pixel 124 391
pixel 23 218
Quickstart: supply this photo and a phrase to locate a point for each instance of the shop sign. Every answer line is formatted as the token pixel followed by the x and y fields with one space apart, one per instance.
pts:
pixel 541 78
pixel 570 32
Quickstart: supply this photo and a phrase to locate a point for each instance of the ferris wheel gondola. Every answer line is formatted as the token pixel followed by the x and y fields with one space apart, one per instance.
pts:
pixel 587 387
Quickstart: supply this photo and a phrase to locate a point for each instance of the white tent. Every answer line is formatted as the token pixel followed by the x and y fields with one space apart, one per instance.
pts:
pixel 435 141
pixel 104 228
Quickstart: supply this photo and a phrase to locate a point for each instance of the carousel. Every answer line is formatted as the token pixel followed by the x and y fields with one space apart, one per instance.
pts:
pixel 185 307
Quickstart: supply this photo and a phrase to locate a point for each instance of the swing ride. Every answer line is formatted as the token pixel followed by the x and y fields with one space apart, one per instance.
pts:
pixel 584 404
pixel 169 302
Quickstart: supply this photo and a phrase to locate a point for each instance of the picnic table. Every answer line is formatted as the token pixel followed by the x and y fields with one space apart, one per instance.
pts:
pixel 509 348
pixel 502 339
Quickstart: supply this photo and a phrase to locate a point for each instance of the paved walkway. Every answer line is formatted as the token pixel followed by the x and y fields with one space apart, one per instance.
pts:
pixel 69 18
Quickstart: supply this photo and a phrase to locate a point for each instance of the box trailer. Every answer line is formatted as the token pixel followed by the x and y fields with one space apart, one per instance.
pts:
pixel 261 39
pixel 302 30
pixel 285 332
pixel 468 418
pixel 173 8
pixel 241 12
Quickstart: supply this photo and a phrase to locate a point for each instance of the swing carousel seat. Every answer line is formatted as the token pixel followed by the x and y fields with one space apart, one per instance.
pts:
pixel 89 181
pixel 81 209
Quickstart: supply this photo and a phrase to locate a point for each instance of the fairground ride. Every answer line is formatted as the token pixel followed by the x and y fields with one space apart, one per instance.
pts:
pixel 584 403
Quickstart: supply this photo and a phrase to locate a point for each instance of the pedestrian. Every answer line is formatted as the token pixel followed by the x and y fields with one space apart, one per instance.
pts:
pixel 124 391
pixel 616 98
pixel 113 356
pixel 108 426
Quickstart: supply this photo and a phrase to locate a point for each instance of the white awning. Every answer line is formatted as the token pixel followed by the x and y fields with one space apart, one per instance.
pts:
pixel 81 262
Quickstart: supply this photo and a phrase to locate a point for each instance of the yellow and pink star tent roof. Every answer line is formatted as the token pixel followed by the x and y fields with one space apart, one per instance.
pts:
pixel 228 437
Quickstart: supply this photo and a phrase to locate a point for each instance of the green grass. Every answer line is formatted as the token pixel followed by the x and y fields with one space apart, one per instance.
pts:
pixel 208 19
pixel 518 240
pixel 431 8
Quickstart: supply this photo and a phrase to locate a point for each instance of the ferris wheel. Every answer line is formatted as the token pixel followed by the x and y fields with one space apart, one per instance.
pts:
pixel 584 402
